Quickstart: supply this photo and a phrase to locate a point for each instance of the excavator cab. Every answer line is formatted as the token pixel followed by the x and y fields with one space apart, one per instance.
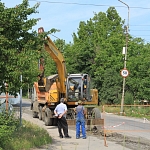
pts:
pixel 78 87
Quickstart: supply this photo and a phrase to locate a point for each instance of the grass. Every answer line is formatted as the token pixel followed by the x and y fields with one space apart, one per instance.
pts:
pixel 28 136
pixel 130 111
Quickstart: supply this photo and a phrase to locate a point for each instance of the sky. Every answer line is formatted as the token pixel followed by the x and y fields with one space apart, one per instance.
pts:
pixel 65 15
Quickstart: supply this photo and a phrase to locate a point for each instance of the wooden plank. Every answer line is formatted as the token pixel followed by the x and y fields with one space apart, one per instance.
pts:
pixel 87 122
pixel 94 121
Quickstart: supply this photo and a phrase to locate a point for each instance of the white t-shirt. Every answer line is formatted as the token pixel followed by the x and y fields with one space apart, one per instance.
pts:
pixel 61 108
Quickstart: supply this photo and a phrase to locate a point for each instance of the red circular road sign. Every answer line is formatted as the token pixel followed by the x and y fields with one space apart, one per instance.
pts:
pixel 124 72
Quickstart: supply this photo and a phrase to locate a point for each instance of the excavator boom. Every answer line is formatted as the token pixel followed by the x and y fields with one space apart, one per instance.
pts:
pixel 58 58
pixel 60 63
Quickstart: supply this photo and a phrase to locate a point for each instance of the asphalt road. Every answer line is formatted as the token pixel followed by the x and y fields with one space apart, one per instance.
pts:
pixel 128 126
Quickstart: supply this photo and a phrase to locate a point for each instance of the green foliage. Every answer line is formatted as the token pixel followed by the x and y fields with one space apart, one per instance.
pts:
pixel 137 111
pixel 139 66
pixel 140 111
pixel 8 125
pixel 111 89
pixel 28 136
pixel 14 137
pixel 20 46
pixel 129 100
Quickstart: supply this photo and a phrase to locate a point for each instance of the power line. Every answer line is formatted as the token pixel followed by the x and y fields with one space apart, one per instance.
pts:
pixel 71 3
pixel 89 5
pixel 66 3
pixel 97 5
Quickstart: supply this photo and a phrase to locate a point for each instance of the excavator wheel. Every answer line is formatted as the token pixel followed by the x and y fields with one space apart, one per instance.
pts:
pixel 96 114
pixel 40 113
pixel 48 120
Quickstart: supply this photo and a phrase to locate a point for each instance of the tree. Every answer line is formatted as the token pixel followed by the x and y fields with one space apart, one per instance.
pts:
pixel 19 45
pixel 98 52
pixel 138 64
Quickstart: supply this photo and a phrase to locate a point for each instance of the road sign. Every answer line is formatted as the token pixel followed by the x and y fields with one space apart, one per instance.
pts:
pixel 124 72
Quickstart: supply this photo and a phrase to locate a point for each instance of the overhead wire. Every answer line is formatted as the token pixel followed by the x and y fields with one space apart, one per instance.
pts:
pixel 97 5
pixel 67 3
pixel 90 5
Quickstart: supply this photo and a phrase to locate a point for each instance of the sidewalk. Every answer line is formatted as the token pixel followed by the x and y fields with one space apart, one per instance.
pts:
pixel 91 143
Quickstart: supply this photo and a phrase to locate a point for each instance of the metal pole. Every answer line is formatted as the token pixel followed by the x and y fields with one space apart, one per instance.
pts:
pixel 125 59
pixel 7 105
pixel 28 92
pixel 21 101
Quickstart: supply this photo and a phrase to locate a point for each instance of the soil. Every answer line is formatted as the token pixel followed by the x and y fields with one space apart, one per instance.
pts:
pixel 126 141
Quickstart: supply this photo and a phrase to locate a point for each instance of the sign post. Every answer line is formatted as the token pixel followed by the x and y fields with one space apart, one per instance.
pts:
pixel 124 73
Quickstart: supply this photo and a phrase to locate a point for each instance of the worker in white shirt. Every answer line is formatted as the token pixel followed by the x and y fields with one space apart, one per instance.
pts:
pixel 60 112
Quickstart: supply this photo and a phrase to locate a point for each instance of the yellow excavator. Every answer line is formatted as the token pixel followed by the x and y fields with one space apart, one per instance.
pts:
pixel 73 87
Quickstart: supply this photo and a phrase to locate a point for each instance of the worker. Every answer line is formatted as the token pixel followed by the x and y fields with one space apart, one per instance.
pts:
pixel 60 112
pixel 80 120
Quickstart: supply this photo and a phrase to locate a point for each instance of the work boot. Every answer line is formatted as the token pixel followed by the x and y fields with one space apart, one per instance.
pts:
pixel 61 136
pixel 68 137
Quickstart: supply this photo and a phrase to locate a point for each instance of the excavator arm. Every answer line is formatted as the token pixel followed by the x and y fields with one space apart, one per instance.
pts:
pixel 58 59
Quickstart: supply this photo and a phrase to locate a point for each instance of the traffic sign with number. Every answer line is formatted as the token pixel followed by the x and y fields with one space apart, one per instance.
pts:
pixel 124 72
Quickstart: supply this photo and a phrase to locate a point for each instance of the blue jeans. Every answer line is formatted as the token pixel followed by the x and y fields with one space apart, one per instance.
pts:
pixel 80 123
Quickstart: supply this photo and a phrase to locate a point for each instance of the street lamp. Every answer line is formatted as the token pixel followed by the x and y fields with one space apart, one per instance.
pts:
pixel 125 58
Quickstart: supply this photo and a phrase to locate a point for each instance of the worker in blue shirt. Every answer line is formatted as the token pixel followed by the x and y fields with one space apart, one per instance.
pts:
pixel 80 120
pixel 60 112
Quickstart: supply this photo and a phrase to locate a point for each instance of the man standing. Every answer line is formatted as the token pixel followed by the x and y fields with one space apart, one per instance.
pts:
pixel 80 120
pixel 60 111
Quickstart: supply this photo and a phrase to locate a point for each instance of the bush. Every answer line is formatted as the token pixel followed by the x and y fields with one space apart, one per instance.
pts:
pixel 28 136
pixel 16 137
pixel 128 99
pixel 8 124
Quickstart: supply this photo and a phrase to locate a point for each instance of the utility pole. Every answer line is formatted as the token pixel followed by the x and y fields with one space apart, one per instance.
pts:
pixel 125 58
